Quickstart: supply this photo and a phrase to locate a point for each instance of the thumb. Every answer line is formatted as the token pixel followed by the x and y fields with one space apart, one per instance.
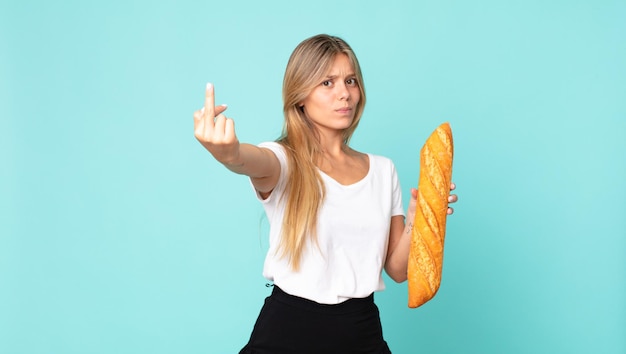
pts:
pixel 220 109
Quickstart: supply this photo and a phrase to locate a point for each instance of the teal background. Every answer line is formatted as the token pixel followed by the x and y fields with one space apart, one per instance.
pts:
pixel 120 234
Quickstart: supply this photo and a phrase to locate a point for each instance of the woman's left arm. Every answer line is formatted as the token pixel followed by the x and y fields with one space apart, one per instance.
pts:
pixel 400 238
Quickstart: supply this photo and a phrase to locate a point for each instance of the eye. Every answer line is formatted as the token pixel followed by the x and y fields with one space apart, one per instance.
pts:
pixel 327 83
pixel 351 82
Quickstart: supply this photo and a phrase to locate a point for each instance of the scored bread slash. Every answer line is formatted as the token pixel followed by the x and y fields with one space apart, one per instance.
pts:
pixel 429 225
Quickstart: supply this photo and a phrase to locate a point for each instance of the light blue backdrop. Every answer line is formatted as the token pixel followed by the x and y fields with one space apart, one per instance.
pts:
pixel 120 234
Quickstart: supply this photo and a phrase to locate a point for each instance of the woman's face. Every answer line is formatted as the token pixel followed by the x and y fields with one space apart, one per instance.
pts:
pixel 331 104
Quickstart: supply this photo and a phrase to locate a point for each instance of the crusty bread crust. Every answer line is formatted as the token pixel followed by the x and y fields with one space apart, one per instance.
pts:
pixel 429 225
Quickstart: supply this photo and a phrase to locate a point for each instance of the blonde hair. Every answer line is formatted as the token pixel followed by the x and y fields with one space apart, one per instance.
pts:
pixel 308 65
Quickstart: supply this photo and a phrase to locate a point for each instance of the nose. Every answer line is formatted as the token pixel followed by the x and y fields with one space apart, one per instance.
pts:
pixel 343 92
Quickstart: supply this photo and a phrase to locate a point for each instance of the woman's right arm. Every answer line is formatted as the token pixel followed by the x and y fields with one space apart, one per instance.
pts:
pixel 216 133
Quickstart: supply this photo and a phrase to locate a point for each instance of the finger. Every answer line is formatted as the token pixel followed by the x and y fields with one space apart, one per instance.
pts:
pixel 452 186
pixel 229 129
pixel 209 102
pixel 197 115
pixel 198 127
pixel 450 211
pixel 220 123
pixel 453 198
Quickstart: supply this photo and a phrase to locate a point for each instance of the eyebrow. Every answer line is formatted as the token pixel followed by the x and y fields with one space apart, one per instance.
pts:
pixel 336 76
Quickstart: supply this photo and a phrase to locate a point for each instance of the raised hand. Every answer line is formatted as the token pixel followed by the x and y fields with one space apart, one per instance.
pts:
pixel 215 131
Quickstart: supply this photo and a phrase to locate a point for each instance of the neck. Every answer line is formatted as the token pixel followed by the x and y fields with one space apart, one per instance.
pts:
pixel 332 146
pixel 331 141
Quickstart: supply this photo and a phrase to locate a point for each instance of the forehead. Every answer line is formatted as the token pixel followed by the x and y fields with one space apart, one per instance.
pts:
pixel 341 66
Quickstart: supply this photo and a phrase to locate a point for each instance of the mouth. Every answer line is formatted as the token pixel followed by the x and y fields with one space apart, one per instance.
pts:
pixel 344 110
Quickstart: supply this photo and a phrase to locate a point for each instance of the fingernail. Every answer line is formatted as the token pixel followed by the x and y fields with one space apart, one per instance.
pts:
pixel 224 105
pixel 202 110
pixel 209 86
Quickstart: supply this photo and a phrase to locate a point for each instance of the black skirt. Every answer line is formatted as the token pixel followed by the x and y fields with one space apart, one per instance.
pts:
pixel 289 324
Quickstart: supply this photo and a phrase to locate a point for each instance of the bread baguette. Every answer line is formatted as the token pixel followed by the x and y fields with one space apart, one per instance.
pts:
pixel 429 224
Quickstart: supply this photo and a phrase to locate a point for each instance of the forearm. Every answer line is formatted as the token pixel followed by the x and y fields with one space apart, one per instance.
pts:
pixel 398 254
pixel 252 161
pixel 248 161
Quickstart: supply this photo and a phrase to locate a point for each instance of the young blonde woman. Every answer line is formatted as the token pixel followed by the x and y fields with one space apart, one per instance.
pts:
pixel 336 216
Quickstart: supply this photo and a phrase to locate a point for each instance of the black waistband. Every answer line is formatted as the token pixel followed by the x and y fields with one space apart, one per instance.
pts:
pixel 348 306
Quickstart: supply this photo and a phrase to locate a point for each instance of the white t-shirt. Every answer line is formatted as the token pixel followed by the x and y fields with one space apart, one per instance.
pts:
pixel 352 234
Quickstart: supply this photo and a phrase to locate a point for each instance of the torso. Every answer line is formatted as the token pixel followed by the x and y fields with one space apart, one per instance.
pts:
pixel 362 196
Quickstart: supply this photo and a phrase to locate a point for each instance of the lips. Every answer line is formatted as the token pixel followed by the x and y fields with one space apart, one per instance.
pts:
pixel 344 110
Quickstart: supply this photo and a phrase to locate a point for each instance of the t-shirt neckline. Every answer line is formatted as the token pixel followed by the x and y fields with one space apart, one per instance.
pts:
pixel 351 185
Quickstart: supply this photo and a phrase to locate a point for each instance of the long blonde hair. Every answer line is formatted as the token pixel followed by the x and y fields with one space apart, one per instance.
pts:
pixel 308 65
